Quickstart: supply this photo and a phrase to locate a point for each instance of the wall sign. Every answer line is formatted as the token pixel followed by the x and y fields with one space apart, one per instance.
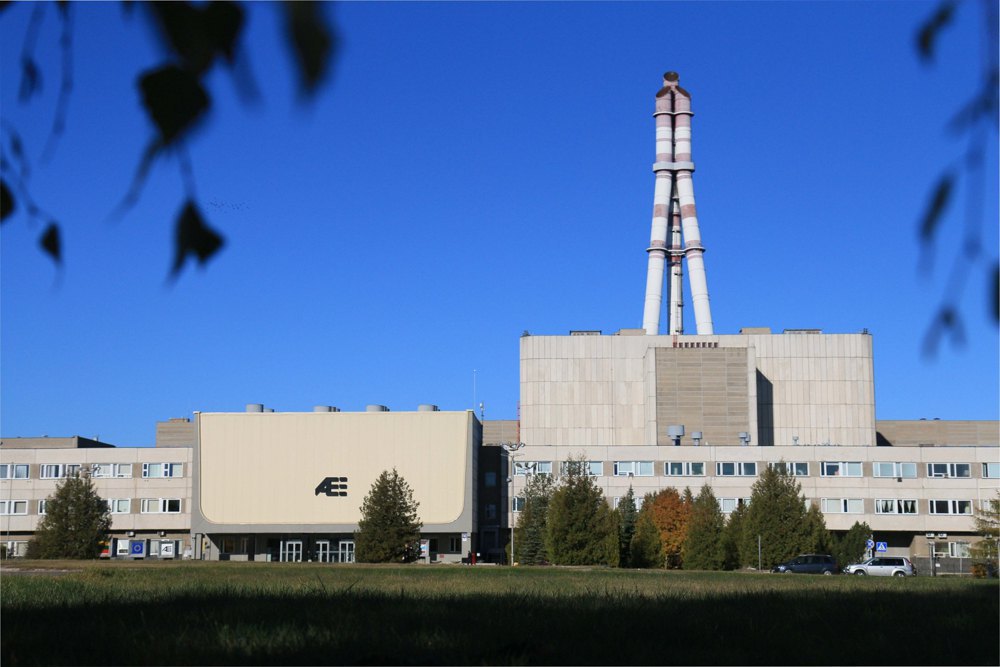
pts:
pixel 333 486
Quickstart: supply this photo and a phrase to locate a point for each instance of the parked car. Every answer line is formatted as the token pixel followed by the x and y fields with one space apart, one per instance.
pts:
pixel 884 566
pixel 808 564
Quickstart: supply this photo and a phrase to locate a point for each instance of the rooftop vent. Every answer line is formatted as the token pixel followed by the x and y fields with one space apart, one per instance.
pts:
pixel 585 332
pixel 325 408
pixel 255 407
pixel 802 331
pixel 376 408
pixel 427 407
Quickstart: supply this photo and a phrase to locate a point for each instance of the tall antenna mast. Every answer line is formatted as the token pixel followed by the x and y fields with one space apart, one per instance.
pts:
pixel 673 205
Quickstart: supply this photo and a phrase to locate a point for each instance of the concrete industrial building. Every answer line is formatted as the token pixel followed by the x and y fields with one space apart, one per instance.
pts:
pixel 647 410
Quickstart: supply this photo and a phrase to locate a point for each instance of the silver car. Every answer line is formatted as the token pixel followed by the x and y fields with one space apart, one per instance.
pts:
pixel 883 566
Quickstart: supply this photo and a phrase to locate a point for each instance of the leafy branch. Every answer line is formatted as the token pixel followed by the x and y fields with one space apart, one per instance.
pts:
pixel 198 37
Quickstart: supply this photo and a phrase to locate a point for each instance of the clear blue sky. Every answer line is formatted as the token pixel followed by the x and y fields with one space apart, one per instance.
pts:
pixel 473 171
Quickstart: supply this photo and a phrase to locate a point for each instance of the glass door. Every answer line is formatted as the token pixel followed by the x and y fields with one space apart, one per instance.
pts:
pixel 346 551
pixel 323 552
pixel 291 551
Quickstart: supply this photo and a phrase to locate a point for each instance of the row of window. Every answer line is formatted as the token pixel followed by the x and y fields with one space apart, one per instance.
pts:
pixel 115 506
pixel 832 505
pixel 904 470
pixel 97 470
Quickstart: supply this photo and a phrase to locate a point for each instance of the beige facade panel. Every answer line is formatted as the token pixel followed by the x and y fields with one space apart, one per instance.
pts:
pixel 814 389
pixel 261 471
pixel 934 432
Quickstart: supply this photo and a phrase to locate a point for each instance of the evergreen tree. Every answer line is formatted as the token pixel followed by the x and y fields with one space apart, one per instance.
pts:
pixel 703 544
pixel 985 552
pixel 389 529
pixel 732 539
pixel 670 513
pixel 777 514
pixel 645 549
pixel 530 531
pixel 581 526
pixel 851 548
pixel 76 522
pixel 626 515
pixel 818 538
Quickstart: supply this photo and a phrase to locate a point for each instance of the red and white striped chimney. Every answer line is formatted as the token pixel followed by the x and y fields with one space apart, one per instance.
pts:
pixel 673 207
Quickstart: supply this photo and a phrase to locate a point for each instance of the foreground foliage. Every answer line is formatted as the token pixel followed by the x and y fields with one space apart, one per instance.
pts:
pixel 581 526
pixel 75 524
pixel 279 613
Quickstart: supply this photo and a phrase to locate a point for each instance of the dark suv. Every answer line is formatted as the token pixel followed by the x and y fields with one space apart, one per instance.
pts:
pixel 808 564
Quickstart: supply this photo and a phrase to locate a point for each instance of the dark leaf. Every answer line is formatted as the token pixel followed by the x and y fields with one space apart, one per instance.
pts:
pixel 175 100
pixel 983 105
pixel 31 79
pixel 4 4
pixel 51 244
pixel 223 23
pixel 183 28
pixel 312 40
pixel 193 237
pixel 197 35
pixel 17 150
pixel 928 33
pixel 936 207
pixel 995 288
pixel 7 204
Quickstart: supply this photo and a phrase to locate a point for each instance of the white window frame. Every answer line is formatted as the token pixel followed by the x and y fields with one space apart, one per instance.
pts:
pixel 115 504
pixel 634 469
pixel 740 469
pixel 687 468
pixel 991 470
pixel 951 470
pixel 524 468
pixel 159 506
pixel 595 468
pixel 843 469
pixel 112 470
pixel 167 470
pixel 899 469
pixel 896 506
pixel 959 550
pixel 953 506
pixel 13 507
pixel 517 504
pixel 729 505
pixel 792 468
pixel 41 506
pixel 16 468
pixel 842 505
pixel 45 471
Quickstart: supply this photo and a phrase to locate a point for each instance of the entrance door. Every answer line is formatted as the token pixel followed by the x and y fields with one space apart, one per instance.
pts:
pixel 291 551
pixel 346 554
pixel 323 552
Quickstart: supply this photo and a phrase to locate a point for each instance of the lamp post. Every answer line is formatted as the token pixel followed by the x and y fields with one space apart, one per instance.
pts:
pixel 511 448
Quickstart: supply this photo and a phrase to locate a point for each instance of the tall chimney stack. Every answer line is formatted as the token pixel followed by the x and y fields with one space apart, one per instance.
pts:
pixel 673 208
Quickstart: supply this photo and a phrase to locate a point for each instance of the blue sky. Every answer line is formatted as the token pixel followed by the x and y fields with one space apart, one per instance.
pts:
pixel 472 171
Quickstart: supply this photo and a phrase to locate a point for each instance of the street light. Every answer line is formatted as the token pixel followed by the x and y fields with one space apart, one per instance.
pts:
pixel 511 448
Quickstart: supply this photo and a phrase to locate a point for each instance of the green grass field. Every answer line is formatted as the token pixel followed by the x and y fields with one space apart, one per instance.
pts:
pixel 256 613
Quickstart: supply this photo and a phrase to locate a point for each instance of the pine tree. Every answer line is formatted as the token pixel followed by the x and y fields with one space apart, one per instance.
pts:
pixel 645 549
pixel 818 538
pixel 581 526
pixel 530 531
pixel 732 539
pixel 851 548
pixel 389 529
pixel 76 522
pixel 777 514
pixel 670 513
pixel 626 515
pixel 703 546
pixel 985 552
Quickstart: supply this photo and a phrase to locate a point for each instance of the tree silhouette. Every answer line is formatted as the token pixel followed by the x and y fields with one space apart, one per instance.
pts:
pixel 199 38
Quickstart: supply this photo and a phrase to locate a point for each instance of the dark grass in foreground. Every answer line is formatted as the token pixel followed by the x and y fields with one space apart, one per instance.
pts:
pixel 201 613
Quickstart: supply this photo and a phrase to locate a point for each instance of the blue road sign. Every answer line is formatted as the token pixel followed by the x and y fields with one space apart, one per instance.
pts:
pixel 881 546
pixel 137 548
pixel 870 544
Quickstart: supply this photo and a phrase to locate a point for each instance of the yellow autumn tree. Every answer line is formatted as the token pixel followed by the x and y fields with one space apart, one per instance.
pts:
pixel 670 512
